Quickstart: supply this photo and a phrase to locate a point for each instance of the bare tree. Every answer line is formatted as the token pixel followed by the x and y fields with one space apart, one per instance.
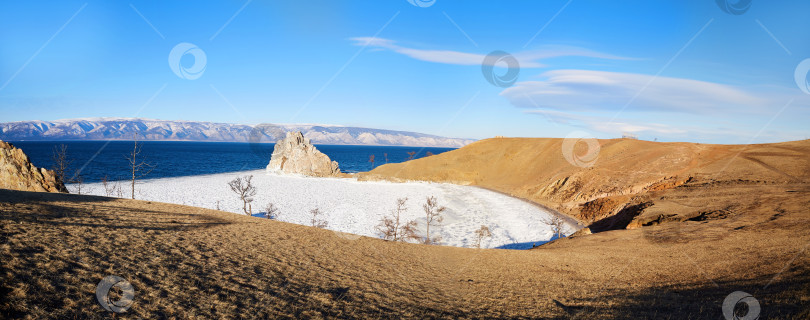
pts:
pixel 386 157
pixel 118 190
pixel 480 234
pixel 61 167
pixel 243 187
pixel 433 216
pixel 109 188
pixel 272 211
pixel 78 183
pixel 556 223
pixel 61 162
pixel 392 228
pixel 371 159
pixel 138 167
pixel 319 223
pixel 411 154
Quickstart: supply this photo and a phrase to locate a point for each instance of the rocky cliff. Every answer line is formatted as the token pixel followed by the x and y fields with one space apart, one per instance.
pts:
pixel 17 172
pixel 296 155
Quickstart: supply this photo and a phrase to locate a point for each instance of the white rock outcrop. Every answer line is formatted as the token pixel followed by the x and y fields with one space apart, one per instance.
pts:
pixel 296 155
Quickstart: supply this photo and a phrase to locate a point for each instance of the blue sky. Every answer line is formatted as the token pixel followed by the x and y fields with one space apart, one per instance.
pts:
pixel 666 70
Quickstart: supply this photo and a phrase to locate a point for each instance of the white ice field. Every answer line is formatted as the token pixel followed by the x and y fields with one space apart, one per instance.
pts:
pixel 356 207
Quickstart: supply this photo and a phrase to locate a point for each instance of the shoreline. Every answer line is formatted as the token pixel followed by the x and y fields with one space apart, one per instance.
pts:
pixel 570 220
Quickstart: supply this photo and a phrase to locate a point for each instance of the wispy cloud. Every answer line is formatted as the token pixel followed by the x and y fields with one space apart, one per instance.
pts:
pixel 673 108
pixel 604 123
pixel 527 59
pixel 587 90
pixel 677 131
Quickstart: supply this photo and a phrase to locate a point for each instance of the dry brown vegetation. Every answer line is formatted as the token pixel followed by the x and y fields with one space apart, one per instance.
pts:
pixel 736 216
pixel 481 234
pixel 632 183
pixel 187 262
pixel 392 227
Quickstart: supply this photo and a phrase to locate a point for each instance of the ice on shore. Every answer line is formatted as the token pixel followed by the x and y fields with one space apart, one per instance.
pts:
pixel 356 207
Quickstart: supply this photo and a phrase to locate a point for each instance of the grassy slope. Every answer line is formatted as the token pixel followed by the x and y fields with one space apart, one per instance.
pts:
pixel 632 182
pixel 196 263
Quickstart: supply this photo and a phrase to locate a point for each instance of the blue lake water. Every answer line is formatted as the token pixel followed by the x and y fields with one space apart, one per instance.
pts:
pixel 95 159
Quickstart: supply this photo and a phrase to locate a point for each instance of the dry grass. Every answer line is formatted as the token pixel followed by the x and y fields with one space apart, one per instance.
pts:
pixel 187 262
pixel 671 181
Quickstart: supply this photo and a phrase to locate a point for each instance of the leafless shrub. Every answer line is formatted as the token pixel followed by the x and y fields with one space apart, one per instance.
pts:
pixel 272 211
pixel 118 190
pixel 371 159
pixel 138 168
pixel 109 187
pixel 61 162
pixel 244 188
pixel 392 228
pixel 433 217
pixel 556 223
pixel 316 222
pixel 78 184
pixel 480 234
pixel 428 154
pixel 386 157
pixel 218 205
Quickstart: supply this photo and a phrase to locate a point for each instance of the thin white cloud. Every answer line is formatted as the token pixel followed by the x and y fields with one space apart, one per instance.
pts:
pixel 587 90
pixel 606 125
pixel 527 59
pixel 700 128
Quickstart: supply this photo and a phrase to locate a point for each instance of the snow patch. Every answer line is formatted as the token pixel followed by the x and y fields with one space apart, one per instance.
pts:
pixel 356 207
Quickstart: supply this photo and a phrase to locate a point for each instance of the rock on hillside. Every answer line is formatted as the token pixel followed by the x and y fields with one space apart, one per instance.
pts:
pixel 296 154
pixel 17 172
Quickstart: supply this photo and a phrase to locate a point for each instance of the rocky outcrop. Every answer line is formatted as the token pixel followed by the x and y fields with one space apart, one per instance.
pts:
pixel 17 172
pixel 296 155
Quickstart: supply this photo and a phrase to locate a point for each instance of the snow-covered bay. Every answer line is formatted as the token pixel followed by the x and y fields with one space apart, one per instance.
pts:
pixel 356 207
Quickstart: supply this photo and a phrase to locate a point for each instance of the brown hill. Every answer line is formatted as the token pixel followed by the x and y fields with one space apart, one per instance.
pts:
pixel 744 228
pixel 17 172
pixel 632 183
pixel 193 263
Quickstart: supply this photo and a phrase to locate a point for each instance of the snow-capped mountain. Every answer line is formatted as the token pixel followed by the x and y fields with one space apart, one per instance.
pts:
pixel 155 130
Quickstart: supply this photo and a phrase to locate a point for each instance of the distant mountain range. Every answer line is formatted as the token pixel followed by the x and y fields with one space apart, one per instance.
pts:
pixel 157 130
